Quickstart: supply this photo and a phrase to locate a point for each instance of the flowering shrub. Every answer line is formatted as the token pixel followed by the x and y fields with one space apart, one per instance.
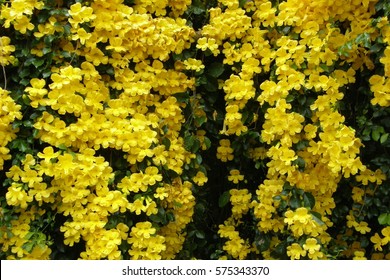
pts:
pixel 195 129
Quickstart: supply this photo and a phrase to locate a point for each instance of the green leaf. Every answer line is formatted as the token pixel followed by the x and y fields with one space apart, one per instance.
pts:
pixel 277 198
pixel 364 39
pixel 63 147
pixel 375 134
pixel 24 72
pixel 49 39
pixel 66 54
pixel 301 145
pixel 198 7
pixel 317 218
pixel 199 159
pixel 26 51
pixel 159 217
pixel 28 246
pixel 29 235
pixel 300 162
pixel 295 202
pixel 182 97
pixel 207 142
pixel 384 138
pixel 211 86
pixel 242 3
pixel 195 147
pixel 384 219
pixel 46 73
pixel 177 204
pixel 308 200
pixel 376 48
pixel 280 250
pixel 156 218
pixel 20 144
pixel 215 69
pixel 46 50
pixel 170 217
pixel 16 124
pixel 202 80
pixel 200 120
pixel 166 142
pixel 189 141
pixel 263 243
pixel 290 98
pixel 224 199
pixel 38 62
pixel 200 234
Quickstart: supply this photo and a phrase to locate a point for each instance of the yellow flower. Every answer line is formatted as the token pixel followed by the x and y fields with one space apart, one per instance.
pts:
pixel 240 200
pixel 16 196
pixel 151 207
pixel 145 243
pixel 235 176
pixel 116 44
pixel 357 194
pixel 6 50
pixel 266 14
pixel 193 64
pixel 81 35
pixel 237 88
pixel 161 193
pixel 227 231
pixel 379 176
pixel 138 206
pixel 351 222
pixel 250 66
pixel 311 131
pixel 200 178
pixel 66 163
pixel 37 92
pixel 359 255
pixel 237 248
pixel 301 215
pixel 386 235
pixel 295 251
pixel 80 14
pixel 377 240
pixel 362 227
pixel 316 255
pixel 208 43
pixel 224 151
pixel 311 245
pixel 48 154
pixel 23 24
pixel 380 88
pixel 151 175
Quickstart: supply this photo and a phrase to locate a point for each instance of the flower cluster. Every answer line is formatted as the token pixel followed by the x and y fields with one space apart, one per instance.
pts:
pixel 114 96
pixel 237 247
pixel 128 119
pixel 10 111
pixel 307 152
pixel 6 56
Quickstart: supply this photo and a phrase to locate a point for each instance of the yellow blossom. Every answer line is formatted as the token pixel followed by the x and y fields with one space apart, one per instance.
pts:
pixel 200 178
pixel 295 251
pixel 359 255
pixel 224 151
pixel 311 245
pixel 235 176
pixel 193 64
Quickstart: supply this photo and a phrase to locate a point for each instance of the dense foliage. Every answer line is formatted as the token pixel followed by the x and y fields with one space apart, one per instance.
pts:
pixel 179 129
